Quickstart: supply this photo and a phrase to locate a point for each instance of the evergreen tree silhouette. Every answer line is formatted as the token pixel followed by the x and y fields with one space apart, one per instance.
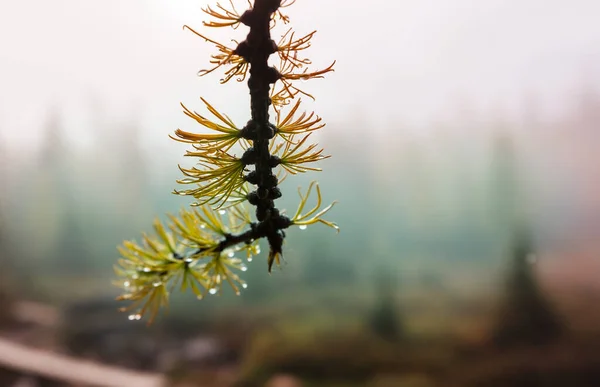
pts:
pixel 55 211
pixel 526 316
pixel 72 251
pixel 384 320
pixel 125 171
pixel 134 186
pixel 51 158
pixel 5 259
pixel 506 190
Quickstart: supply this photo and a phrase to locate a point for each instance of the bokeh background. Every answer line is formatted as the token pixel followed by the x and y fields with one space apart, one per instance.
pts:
pixel 464 137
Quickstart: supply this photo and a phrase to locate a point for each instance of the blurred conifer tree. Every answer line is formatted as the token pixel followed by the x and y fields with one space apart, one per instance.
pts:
pixel 526 316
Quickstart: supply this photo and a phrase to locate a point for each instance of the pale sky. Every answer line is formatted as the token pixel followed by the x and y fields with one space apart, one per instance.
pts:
pixel 413 60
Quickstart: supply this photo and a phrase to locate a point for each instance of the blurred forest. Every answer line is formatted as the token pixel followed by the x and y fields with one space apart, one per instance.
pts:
pixel 478 236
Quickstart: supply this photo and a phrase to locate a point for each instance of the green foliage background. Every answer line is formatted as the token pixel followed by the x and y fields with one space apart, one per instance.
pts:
pixel 407 206
pixel 436 215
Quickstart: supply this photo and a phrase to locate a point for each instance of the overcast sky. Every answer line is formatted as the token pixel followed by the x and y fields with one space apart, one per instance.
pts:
pixel 415 60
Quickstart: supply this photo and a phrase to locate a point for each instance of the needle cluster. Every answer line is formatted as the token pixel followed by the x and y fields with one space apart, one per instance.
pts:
pixel 200 248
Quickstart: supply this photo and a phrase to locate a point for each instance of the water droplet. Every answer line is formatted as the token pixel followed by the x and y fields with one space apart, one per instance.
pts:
pixel 222 212
pixel 249 259
pixel 231 254
pixel 244 268
pixel 156 284
pixel 302 227
pixel 136 316
pixel 213 291
pixel 245 286
pixel 147 270
pixel 202 225
pixel 257 249
pixel 188 260
pixel 135 276
pixel 127 284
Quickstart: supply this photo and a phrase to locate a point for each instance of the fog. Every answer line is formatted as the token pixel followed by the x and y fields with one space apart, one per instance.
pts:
pixel 415 61
pixel 463 136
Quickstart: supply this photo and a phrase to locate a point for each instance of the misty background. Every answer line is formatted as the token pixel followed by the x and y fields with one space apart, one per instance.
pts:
pixel 455 128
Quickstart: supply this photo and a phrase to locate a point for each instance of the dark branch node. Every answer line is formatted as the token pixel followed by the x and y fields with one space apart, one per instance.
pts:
pixel 275 193
pixel 252 178
pixel 249 157
pixel 274 161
